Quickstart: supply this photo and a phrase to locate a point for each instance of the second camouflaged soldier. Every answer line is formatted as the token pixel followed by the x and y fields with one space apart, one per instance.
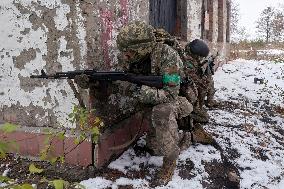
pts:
pixel 195 51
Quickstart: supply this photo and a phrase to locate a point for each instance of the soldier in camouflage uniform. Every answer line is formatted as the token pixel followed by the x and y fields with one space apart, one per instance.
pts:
pixel 142 54
pixel 195 51
pixel 189 90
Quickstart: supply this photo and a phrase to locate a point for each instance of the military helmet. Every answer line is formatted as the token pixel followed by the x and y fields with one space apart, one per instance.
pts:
pixel 138 37
pixel 197 47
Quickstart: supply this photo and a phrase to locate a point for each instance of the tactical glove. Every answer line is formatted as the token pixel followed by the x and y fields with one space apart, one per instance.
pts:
pixel 82 81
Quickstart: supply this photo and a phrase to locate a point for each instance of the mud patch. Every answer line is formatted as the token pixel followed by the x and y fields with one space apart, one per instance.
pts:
pixel 185 169
pixel 219 175
pixel 18 168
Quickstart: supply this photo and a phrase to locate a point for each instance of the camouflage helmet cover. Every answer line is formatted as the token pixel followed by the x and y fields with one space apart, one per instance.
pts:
pixel 138 37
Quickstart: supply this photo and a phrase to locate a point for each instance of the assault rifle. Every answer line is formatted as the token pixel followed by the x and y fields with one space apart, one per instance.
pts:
pixel 151 80
pixel 208 64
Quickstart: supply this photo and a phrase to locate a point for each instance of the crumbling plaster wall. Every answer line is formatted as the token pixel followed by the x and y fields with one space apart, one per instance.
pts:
pixel 224 48
pixel 194 13
pixel 55 35
pixel 102 27
pixel 194 10
pixel 214 42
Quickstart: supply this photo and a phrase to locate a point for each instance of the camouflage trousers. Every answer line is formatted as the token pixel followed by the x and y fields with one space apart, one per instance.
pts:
pixel 195 94
pixel 163 137
pixel 211 90
pixel 206 91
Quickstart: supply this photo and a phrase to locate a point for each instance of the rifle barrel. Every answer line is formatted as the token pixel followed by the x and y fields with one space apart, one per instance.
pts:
pixel 152 81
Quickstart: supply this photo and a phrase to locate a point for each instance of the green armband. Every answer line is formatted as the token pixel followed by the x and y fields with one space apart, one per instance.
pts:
pixel 188 64
pixel 171 79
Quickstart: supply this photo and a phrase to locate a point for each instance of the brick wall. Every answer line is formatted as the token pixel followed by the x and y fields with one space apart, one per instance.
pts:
pixel 31 141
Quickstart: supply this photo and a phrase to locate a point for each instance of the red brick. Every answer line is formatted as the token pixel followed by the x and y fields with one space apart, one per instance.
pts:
pixel 20 138
pixel 32 145
pixel 57 147
pixel 40 139
pixel 102 152
pixel 85 155
pixel 69 147
pixel 119 135
pixel 122 136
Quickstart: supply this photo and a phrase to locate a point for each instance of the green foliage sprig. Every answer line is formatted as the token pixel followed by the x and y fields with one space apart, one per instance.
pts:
pixel 89 126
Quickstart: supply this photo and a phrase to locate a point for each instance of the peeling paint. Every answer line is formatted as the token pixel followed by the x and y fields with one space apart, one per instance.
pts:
pixel 194 10
pixel 25 57
pixel 42 43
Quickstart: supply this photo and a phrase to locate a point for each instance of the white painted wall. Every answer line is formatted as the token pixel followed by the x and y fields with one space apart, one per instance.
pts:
pixel 12 43
pixel 194 19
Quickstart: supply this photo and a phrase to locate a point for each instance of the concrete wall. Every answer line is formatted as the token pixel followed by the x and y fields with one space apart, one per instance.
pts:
pixel 223 45
pixel 216 23
pixel 194 19
pixel 55 35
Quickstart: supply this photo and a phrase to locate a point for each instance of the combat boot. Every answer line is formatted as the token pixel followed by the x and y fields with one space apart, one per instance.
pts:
pixel 199 135
pixel 166 173
pixel 211 103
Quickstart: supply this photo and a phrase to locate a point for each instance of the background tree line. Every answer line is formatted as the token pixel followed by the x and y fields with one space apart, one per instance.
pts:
pixel 270 26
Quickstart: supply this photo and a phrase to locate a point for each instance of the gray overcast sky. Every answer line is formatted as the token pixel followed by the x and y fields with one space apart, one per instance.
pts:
pixel 250 11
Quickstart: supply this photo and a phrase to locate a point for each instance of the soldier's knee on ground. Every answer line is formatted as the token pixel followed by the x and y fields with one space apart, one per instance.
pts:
pixel 163 138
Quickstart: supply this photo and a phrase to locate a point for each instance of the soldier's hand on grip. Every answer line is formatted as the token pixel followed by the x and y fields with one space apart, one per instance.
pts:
pixel 82 81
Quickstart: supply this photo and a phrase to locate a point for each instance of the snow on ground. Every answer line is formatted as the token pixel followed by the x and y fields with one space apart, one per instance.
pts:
pixel 235 82
pixel 248 129
pixel 270 52
pixel 253 133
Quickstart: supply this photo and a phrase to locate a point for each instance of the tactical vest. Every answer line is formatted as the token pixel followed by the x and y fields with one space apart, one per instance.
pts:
pixel 163 36
pixel 152 64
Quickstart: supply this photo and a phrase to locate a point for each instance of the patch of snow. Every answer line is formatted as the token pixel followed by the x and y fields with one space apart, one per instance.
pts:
pixel 5 173
pixel 270 52
pixel 97 183
pixel 235 82
pixel 137 183
pixel 256 138
pixel 129 161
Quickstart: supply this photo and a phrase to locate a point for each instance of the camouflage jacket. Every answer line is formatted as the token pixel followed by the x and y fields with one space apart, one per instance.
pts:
pixel 193 69
pixel 164 61
pixel 118 100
